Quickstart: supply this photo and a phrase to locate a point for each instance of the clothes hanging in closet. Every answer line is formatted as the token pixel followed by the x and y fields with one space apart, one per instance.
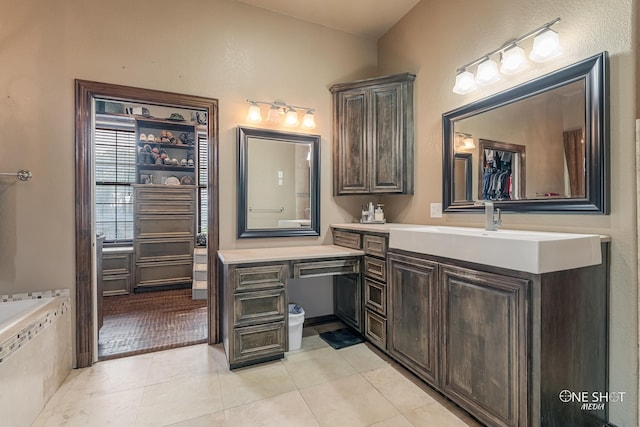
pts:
pixel 496 176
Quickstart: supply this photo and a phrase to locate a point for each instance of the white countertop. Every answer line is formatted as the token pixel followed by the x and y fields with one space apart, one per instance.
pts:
pixel 240 256
pixel 385 228
pixel 374 228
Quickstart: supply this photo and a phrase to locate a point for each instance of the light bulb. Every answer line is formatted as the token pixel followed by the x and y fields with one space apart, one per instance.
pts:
pixel 487 72
pixel 546 46
pixel 291 119
pixel 513 60
pixel 308 120
pixel 274 115
pixel 254 115
pixel 465 83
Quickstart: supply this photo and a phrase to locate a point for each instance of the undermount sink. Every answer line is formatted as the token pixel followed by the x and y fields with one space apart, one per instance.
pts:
pixel 531 251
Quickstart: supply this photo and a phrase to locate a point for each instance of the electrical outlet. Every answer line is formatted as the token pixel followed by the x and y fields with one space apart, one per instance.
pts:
pixel 436 210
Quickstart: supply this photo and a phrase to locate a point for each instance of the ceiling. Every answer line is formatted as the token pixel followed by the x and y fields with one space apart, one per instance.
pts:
pixel 366 18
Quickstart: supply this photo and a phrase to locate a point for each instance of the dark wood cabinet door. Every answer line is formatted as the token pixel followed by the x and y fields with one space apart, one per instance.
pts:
pixel 351 156
pixel 386 159
pixel 484 344
pixel 412 314
pixel 347 300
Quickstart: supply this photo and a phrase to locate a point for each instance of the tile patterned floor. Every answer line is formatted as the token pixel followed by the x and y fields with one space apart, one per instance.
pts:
pixel 192 387
pixel 151 321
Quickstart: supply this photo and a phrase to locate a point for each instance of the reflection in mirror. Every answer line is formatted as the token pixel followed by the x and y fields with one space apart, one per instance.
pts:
pixel 502 171
pixel 558 120
pixel 462 172
pixel 278 185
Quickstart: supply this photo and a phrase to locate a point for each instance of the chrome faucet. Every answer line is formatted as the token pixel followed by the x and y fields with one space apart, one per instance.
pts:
pixel 492 217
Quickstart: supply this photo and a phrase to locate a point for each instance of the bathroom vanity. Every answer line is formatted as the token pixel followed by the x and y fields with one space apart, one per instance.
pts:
pixel 502 343
pixel 254 321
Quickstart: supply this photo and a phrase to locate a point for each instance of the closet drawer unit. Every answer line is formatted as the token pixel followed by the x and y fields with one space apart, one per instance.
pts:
pixel 260 277
pixel 164 193
pixel 250 308
pixel 164 273
pixel 375 268
pixel 346 239
pixel 375 329
pixel 375 296
pixel 159 249
pixel 374 245
pixel 253 343
pixel 326 268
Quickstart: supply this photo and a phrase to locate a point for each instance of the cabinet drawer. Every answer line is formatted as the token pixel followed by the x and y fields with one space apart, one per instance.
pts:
pixel 159 249
pixel 116 263
pixel 255 342
pixel 164 193
pixel 374 245
pixel 326 268
pixel 116 284
pixel 375 296
pixel 375 268
pixel 259 307
pixel 148 226
pixel 346 239
pixel 165 207
pixel 260 277
pixel 164 273
pixel 375 329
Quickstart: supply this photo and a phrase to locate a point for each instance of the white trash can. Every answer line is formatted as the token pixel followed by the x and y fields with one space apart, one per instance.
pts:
pixel 296 320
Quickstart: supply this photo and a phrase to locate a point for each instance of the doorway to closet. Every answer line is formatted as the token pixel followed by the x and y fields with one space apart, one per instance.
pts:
pixel 146 195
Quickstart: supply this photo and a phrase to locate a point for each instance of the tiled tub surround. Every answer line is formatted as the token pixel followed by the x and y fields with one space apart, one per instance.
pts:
pixel 35 352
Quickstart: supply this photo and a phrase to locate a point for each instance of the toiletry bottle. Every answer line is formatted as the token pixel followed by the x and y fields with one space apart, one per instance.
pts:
pixel 379 214
pixel 372 212
pixel 365 214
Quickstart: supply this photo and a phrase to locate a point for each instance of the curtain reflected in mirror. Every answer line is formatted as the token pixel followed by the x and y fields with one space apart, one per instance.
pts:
pixel 574 155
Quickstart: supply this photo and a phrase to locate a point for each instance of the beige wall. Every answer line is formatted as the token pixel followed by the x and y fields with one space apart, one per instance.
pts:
pixel 213 48
pixel 437 37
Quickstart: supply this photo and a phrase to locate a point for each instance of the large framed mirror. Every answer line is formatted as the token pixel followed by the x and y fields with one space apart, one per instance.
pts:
pixel 559 121
pixel 278 183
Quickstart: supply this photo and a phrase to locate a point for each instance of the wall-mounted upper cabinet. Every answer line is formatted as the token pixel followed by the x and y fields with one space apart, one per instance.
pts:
pixel 373 135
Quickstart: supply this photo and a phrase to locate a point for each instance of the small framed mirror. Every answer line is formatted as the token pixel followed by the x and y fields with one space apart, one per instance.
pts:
pixel 278 183
pixel 559 121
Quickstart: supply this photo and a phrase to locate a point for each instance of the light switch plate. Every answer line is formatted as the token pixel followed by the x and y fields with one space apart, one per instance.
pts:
pixel 436 210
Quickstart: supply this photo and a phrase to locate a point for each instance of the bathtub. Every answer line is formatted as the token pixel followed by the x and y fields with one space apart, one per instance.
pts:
pixel 35 352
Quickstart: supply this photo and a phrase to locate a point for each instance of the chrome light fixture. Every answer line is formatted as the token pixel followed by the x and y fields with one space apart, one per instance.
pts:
pixel 546 46
pixel 279 109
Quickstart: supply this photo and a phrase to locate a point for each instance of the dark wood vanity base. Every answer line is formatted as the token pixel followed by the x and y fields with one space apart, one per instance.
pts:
pixel 254 314
pixel 504 345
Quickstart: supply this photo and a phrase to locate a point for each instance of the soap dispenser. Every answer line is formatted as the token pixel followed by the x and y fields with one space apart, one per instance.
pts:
pixel 379 214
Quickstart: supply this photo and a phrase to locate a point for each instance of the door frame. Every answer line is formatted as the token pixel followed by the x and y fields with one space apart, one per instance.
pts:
pixel 85 92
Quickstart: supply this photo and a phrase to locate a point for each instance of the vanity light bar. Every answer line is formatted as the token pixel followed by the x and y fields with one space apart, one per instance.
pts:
pixel 279 108
pixel 546 46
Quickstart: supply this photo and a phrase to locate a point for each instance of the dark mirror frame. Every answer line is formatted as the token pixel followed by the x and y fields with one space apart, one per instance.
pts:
pixel 594 72
pixel 244 133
